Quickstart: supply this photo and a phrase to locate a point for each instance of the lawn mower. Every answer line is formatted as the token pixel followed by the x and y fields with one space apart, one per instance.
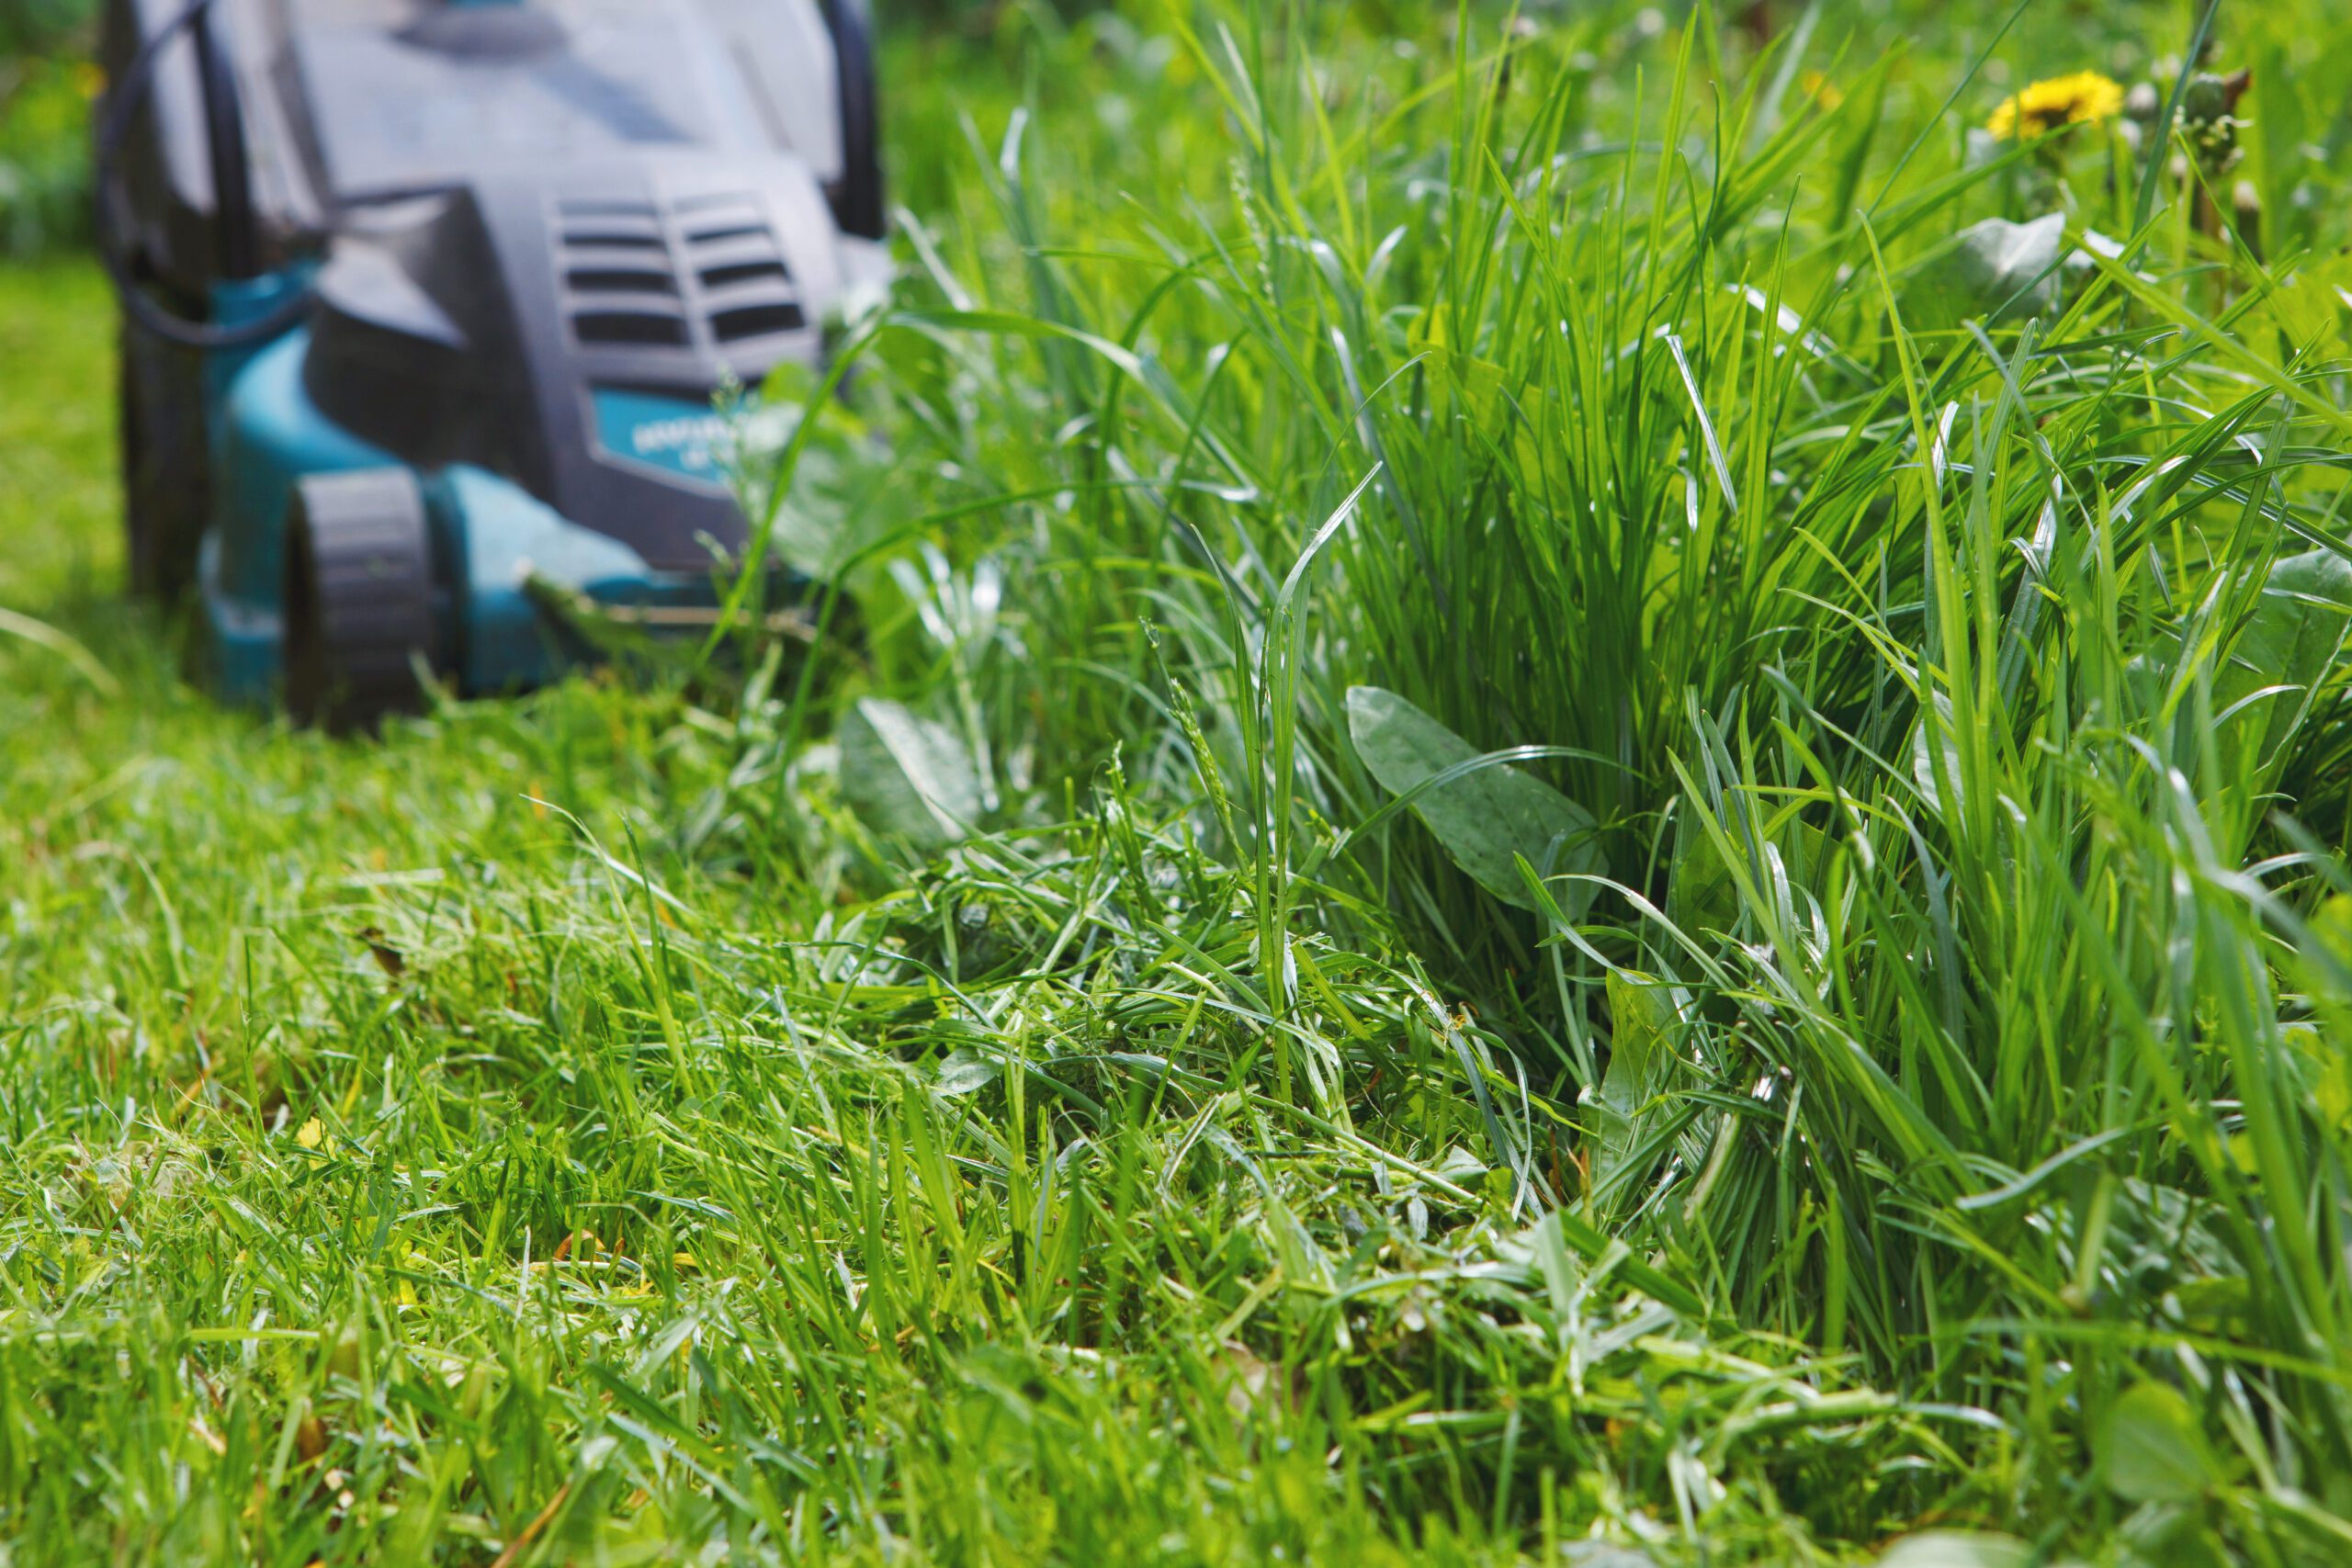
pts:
pixel 424 306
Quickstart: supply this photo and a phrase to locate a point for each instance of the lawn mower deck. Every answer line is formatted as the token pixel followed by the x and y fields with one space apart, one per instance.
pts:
pixel 426 302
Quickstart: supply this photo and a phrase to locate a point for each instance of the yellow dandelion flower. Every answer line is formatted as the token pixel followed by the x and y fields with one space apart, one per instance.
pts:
pixel 2083 98
pixel 1820 89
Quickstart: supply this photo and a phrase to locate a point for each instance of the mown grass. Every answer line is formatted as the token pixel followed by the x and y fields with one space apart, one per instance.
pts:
pixel 495 1139
pixel 592 1128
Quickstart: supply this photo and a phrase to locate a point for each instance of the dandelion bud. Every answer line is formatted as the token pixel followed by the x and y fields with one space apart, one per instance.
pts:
pixel 2246 208
pixel 2211 101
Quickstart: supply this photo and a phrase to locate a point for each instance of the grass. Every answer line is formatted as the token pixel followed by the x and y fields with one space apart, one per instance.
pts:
pixel 44 143
pixel 1875 1069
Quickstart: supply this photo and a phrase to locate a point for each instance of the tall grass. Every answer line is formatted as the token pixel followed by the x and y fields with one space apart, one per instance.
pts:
pixel 1947 665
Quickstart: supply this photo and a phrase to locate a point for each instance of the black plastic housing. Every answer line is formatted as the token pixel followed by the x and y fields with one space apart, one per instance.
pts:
pixel 480 325
pixel 513 208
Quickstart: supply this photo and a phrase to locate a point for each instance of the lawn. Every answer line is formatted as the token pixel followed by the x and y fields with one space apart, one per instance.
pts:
pixel 1580 794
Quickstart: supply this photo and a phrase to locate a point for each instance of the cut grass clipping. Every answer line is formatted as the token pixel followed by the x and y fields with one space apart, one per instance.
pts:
pixel 1581 793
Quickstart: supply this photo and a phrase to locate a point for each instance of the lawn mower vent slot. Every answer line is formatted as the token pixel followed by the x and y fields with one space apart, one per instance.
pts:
pixel 611 240
pixel 642 273
pixel 610 279
pixel 755 321
pixel 739 232
pixel 635 225
pixel 620 286
pixel 727 275
pixel 731 248
pixel 629 328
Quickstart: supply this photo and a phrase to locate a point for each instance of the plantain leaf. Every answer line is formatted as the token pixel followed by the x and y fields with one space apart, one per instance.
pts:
pixel 2291 640
pixel 1956 1548
pixel 2152 1449
pixel 907 777
pixel 1485 817
pixel 1700 893
pixel 1643 1017
pixel 964 1072
pixel 1996 269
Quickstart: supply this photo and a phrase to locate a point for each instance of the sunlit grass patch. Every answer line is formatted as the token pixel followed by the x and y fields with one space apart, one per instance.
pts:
pixel 1593 811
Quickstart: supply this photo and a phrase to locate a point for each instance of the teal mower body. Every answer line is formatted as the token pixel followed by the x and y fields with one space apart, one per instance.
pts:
pixel 426 303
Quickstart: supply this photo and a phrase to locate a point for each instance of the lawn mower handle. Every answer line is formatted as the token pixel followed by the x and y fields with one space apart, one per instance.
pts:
pixel 225 138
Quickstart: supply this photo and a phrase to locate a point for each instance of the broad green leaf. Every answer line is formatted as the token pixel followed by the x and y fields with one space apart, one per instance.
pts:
pixel 1640 1057
pixel 2214 1305
pixel 1478 390
pixel 908 778
pixel 1604 1554
pixel 2327 968
pixel 1700 894
pixel 2310 306
pixel 2290 639
pixel 2152 1449
pixel 1484 818
pixel 1480 384
pixel 2331 929
pixel 1998 269
pixel 963 1072
pixel 1956 1548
